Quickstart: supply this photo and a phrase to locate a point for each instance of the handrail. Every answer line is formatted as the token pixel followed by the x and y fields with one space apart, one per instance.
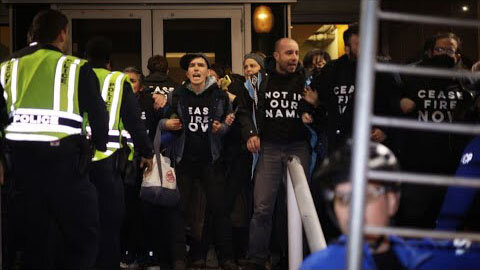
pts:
pixel 418 233
pixel 301 210
pixel 438 180
pixel 361 128
pixel 413 124
pixel 311 224
pixel 405 17
pixel 425 71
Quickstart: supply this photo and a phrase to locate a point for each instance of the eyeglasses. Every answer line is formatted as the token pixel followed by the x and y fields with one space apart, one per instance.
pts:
pixel 344 198
pixel 445 50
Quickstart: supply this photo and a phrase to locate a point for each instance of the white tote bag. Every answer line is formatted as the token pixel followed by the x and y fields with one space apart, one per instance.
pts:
pixel 160 185
pixel 165 179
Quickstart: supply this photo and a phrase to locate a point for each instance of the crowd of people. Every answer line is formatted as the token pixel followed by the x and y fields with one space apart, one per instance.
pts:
pixel 77 139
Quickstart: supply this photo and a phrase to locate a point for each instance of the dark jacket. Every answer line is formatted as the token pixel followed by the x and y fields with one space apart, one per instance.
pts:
pixel 459 200
pixel 131 118
pixel 234 137
pixel 335 85
pixel 161 81
pixel 150 116
pixel 254 116
pixel 218 110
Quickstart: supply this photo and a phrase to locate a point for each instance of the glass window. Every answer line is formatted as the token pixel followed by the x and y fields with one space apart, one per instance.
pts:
pixel 125 35
pixel 209 36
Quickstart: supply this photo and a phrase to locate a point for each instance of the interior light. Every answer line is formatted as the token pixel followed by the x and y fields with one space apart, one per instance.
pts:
pixel 263 19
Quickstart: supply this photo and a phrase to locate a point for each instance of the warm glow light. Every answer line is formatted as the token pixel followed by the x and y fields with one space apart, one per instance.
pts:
pixel 465 8
pixel 262 16
pixel 263 19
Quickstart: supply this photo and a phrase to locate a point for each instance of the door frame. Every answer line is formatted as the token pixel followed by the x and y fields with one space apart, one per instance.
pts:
pixel 93 12
pixel 240 44
pixel 149 37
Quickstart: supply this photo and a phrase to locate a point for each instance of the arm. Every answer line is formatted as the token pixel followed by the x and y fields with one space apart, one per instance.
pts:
pixel 90 101
pixel 170 120
pixel 245 115
pixel 221 128
pixel 3 111
pixel 130 114
pixel 454 208
pixel 3 123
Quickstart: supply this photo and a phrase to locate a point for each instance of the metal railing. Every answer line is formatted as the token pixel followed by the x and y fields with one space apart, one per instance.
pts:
pixel 366 67
pixel 301 209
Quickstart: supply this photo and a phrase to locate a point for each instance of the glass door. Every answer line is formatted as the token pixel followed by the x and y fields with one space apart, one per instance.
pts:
pixel 215 31
pixel 129 31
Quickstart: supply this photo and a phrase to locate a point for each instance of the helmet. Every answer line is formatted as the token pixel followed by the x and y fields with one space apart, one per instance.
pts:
pixel 335 169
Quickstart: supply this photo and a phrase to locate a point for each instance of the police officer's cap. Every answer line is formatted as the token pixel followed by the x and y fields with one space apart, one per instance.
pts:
pixel 187 58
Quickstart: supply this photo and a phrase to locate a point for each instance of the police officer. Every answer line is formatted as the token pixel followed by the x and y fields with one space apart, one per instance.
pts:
pixel 106 169
pixel 45 95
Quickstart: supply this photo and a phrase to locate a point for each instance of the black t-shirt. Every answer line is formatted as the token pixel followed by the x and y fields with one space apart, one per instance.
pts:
pixel 283 121
pixel 197 142
pixel 387 261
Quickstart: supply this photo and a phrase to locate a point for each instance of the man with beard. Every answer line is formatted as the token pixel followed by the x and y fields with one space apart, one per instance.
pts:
pixel 333 95
pixel 334 92
pixel 275 131
pixel 437 100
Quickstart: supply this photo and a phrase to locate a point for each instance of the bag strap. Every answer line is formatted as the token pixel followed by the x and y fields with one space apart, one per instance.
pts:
pixel 156 148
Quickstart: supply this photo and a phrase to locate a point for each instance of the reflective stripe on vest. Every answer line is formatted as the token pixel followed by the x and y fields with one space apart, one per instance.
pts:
pixel 113 120
pixel 127 137
pixel 113 138
pixel 32 121
pixel 39 120
pixel 3 70
pixel 9 73
pixel 111 92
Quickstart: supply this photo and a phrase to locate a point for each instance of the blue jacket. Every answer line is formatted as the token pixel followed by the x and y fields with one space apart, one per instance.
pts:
pixel 459 199
pixel 218 111
pixel 414 254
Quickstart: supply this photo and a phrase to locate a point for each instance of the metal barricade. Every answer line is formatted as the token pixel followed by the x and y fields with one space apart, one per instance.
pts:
pixel 366 67
pixel 301 209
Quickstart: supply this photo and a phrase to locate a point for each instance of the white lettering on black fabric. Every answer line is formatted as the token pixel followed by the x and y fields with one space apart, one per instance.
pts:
pixel 437 105
pixel 344 94
pixel 282 104
pixel 198 119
